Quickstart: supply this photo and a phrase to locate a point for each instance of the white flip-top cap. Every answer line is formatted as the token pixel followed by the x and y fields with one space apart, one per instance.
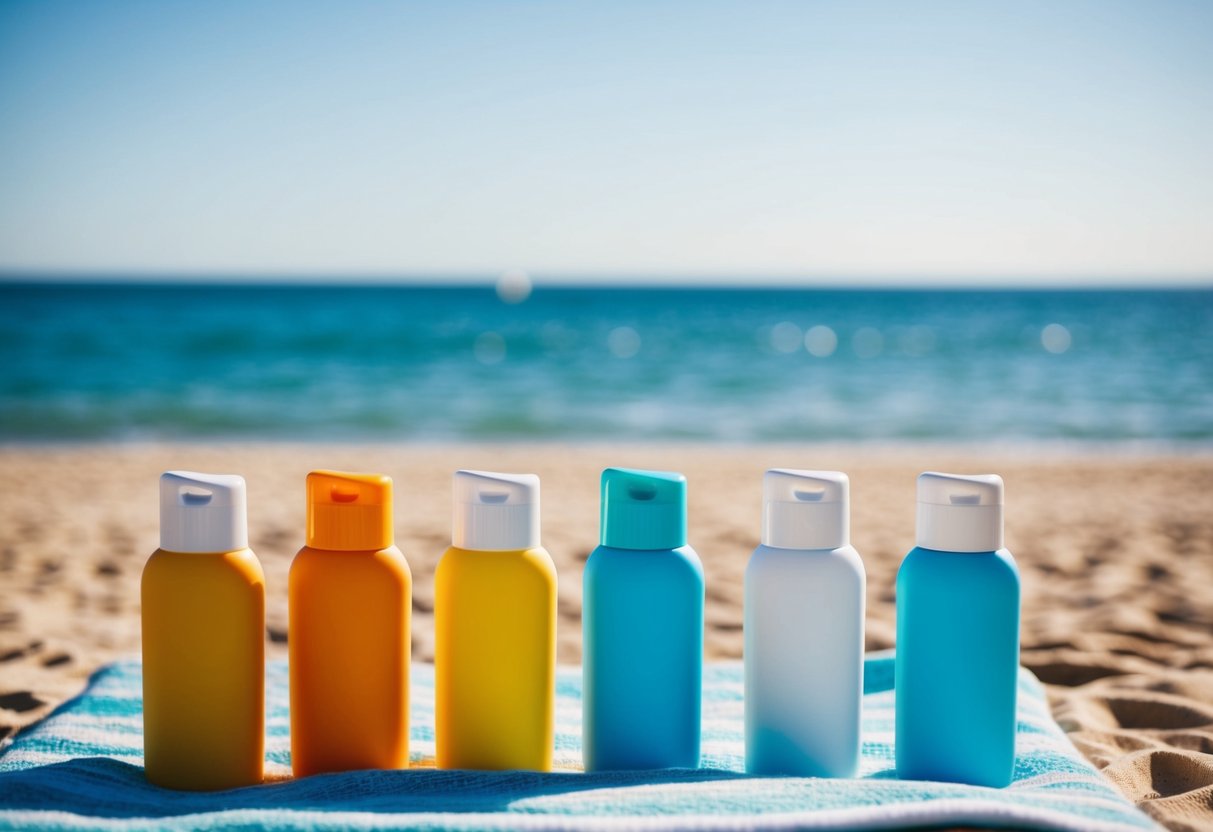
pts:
pixel 202 512
pixel 805 509
pixel 960 513
pixel 495 512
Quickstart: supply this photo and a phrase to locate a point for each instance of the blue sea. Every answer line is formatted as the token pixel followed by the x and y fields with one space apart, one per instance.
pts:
pixel 228 361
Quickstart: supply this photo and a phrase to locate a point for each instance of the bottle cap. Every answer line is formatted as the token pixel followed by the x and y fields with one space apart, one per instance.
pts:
pixel 960 513
pixel 349 512
pixel 643 509
pixel 202 512
pixel 805 509
pixel 495 512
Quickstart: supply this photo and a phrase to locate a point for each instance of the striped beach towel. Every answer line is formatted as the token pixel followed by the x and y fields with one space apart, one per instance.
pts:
pixel 81 769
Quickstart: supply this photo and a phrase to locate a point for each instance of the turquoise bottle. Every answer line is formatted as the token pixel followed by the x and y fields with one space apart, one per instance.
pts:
pixel 642 628
pixel 957 637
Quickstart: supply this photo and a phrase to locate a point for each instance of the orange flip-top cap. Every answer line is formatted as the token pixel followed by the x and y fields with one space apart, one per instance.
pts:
pixel 349 512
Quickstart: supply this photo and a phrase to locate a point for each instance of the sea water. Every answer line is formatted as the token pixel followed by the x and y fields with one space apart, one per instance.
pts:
pixel 170 361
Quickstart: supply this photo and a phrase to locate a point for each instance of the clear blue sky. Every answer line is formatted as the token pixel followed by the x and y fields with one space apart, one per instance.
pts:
pixel 946 141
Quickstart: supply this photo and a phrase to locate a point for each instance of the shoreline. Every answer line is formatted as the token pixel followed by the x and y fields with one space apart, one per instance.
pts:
pixel 1060 449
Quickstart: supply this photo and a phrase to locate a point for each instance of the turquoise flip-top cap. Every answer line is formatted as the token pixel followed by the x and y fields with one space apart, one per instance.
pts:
pixel 643 509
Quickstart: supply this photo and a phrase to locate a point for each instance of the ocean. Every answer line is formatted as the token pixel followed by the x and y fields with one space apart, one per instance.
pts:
pixel 422 363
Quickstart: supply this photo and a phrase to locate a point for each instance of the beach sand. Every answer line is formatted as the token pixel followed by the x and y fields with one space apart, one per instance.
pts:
pixel 1116 551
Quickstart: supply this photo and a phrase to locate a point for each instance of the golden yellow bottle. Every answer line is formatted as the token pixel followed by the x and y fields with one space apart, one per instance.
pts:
pixel 203 611
pixel 351 598
pixel 495 629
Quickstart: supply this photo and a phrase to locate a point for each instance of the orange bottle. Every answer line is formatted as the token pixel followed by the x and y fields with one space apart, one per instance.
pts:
pixel 350 604
pixel 203 618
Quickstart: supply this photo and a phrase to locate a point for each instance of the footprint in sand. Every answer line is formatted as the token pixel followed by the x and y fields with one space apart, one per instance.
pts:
pixel 20 701
pixel 108 569
pixel 56 659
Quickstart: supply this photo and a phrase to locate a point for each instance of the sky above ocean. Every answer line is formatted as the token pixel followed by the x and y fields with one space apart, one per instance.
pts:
pixel 695 141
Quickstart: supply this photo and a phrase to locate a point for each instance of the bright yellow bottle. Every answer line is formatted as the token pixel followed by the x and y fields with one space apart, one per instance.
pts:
pixel 495 629
pixel 351 598
pixel 203 610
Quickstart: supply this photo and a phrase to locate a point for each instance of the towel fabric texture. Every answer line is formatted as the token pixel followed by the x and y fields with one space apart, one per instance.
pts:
pixel 81 768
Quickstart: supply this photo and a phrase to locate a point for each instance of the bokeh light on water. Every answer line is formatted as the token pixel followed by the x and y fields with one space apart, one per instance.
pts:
pixel 1055 338
pixel 623 342
pixel 785 337
pixel 514 286
pixel 820 341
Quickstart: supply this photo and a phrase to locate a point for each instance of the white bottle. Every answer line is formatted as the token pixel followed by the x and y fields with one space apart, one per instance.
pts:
pixel 804 609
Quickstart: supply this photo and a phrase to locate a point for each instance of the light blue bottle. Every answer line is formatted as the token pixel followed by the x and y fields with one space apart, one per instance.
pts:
pixel 957 637
pixel 642 628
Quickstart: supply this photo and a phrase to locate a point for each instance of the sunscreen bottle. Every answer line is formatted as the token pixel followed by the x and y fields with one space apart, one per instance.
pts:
pixel 804 606
pixel 495 629
pixel 350 606
pixel 203 611
pixel 957 637
pixel 642 626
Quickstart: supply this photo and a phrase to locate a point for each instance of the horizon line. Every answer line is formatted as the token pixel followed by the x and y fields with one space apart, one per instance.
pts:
pixel 604 280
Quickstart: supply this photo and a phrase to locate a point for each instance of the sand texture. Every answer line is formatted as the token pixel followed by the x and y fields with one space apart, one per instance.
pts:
pixel 1116 553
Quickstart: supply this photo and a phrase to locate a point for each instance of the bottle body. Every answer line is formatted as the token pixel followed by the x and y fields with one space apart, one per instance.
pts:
pixel 203 620
pixel 804 639
pixel 495 659
pixel 957 666
pixel 350 646
pixel 642 630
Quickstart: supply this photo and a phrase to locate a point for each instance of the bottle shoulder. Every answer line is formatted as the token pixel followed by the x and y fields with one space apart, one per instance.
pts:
pixel 540 559
pixel 998 564
pixel 609 558
pixel 770 561
pixel 389 559
pixel 682 552
pixel 240 562
pixel 536 558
